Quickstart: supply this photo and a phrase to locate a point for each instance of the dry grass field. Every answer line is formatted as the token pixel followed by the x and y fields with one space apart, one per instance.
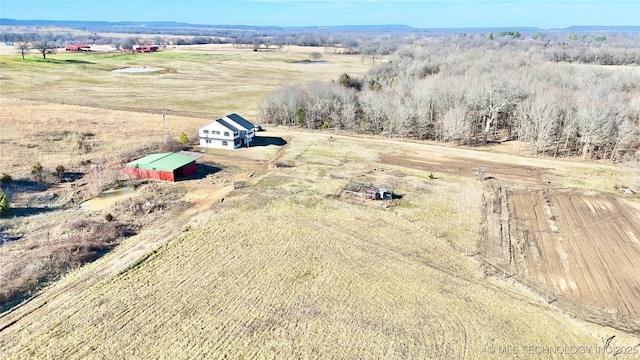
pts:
pixel 202 81
pixel 285 268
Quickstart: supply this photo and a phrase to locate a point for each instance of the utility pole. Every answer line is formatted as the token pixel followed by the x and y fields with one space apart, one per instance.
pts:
pixel 164 124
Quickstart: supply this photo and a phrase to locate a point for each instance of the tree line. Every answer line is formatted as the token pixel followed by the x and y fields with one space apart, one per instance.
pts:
pixel 370 42
pixel 453 91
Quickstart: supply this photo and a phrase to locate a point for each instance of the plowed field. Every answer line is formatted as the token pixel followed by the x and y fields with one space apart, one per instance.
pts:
pixel 578 248
pixel 583 246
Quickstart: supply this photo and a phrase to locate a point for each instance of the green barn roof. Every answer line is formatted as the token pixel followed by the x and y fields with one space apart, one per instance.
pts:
pixel 162 162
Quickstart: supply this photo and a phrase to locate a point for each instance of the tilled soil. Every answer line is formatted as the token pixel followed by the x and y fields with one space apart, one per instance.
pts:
pixel 579 249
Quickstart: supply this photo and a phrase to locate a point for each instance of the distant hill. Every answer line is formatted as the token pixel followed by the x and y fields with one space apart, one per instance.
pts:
pixel 603 28
pixel 92 24
pixel 482 29
pixel 171 24
pixel 151 26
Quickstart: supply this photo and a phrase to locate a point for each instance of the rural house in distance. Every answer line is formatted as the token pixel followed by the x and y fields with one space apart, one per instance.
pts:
pixel 230 132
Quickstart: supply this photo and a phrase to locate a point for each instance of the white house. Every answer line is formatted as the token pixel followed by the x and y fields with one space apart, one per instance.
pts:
pixel 230 132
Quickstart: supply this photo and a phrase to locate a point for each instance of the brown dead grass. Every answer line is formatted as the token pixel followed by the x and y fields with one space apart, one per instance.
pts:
pixel 52 253
pixel 281 269
pixel 51 242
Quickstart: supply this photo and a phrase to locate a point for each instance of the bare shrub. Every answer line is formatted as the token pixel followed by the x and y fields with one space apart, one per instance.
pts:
pixel 281 164
pixel 172 145
pixel 76 243
pixel 151 202
pixel 103 175
pixel 137 153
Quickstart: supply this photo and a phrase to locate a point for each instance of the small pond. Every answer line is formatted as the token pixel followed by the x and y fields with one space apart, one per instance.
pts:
pixel 136 70
pixel 106 198
pixel 311 62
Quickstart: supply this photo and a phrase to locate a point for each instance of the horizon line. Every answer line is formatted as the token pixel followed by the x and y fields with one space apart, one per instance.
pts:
pixel 143 22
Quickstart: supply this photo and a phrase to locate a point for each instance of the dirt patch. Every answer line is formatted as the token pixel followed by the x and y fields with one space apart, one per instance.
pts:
pixel 467 167
pixel 580 250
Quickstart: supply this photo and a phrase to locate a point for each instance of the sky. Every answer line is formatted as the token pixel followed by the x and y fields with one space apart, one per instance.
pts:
pixel 544 14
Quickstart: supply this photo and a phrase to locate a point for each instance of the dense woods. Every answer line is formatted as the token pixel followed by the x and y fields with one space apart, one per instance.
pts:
pixel 554 97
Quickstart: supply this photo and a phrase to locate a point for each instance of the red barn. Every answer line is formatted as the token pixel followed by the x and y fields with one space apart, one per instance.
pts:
pixel 78 47
pixel 163 166
pixel 147 48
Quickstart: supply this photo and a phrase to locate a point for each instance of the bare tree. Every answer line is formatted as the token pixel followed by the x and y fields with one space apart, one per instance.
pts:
pixel 23 47
pixel 129 43
pixel 626 138
pixel 494 99
pixel 374 107
pixel 401 109
pixel 315 56
pixel 45 47
pixel 455 124
pixel 322 105
pixel 595 118
pixel 268 41
pixel 539 120
pixel 281 106
pixel 424 97
pixel 256 43
pixel 453 92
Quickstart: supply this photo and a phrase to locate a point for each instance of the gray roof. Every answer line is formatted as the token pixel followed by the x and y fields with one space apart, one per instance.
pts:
pixel 240 121
pixel 227 125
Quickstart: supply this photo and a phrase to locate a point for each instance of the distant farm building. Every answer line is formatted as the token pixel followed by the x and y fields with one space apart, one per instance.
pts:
pixel 146 48
pixel 163 166
pixel 78 47
pixel 230 132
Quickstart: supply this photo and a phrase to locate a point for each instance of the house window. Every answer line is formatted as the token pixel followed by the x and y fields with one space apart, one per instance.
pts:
pixel 226 133
pixel 216 132
pixel 205 131
pixel 224 143
pixel 208 141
